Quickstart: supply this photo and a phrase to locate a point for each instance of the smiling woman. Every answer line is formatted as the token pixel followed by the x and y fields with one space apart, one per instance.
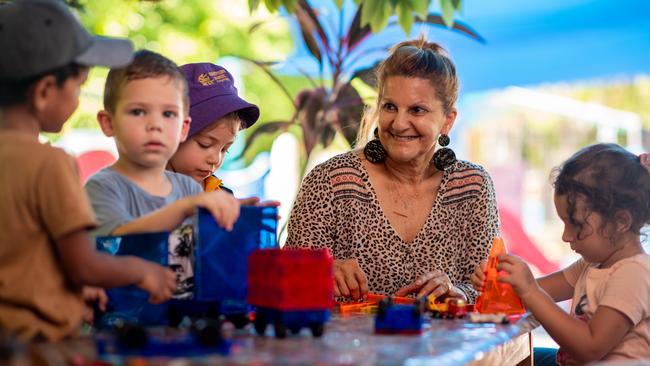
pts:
pixel 400 217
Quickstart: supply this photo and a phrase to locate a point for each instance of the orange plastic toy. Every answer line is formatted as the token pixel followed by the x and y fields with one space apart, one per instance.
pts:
pixel 211 183
pixel 497 297
pixel 370 304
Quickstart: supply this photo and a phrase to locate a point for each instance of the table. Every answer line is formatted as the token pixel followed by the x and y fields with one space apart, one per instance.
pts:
pixel 348 340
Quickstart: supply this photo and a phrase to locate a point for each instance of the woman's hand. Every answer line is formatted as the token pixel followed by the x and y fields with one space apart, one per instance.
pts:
pixel 478 277
pixel 349 279
pixel 519 275
pixel 433 283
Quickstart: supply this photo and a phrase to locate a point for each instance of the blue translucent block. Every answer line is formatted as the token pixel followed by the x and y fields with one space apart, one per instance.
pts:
pixel 399 319
pixel 149 246
pixel 129 303
pixel 220 262
pixel 221 257
pixel 160 343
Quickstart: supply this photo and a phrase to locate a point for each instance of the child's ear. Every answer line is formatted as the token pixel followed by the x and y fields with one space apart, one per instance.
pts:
pixel 106 123
pixel 185 129
pixel 623 220
pixel 42 91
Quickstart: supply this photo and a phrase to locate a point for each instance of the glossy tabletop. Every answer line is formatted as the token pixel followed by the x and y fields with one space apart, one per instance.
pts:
pixel 350 340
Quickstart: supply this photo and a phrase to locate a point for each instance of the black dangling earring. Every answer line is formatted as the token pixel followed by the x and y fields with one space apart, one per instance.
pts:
pixel 445 157
pixel 374 151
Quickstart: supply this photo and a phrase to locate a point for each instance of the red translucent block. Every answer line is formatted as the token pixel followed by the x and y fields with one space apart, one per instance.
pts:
pixel 291 279
pixel 497 297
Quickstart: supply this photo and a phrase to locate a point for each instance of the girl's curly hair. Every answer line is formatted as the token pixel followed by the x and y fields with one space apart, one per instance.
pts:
pixel 610 179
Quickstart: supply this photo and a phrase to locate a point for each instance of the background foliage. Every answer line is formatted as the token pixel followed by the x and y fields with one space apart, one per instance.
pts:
pixel 377 12
pixel 191 31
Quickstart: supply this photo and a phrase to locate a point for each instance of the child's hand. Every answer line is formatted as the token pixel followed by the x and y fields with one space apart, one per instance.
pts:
pixel 222 205
pixel 478 277
pixel 519 275
pixel 91 296
pixel 158 281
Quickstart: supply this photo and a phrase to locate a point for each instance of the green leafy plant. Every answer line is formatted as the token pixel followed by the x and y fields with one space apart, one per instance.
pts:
pixel 377 12
pixel 332 105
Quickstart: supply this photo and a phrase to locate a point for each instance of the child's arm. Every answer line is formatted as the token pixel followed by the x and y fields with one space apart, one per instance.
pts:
pixel 584 341
pixel 223 206
pixel 554 284
pixel 85 266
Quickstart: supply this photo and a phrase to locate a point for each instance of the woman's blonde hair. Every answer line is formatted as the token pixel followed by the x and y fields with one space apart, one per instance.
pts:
pixel 416 59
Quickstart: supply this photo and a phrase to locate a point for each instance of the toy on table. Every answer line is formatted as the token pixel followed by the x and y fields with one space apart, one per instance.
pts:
pixel 497 318
pixel 219 265
pixel 369 304
pixel 497 297
pixel 202 338
pixel 395 318
pixel 290 289
pixel 451 308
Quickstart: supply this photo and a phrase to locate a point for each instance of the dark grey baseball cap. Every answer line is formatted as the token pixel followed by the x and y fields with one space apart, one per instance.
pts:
pixel 37 36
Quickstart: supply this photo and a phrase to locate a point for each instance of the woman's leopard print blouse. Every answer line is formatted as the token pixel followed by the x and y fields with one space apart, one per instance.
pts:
pixel 337 208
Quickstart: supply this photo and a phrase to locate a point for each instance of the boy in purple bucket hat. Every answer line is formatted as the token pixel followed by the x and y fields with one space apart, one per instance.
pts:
pixel 218 113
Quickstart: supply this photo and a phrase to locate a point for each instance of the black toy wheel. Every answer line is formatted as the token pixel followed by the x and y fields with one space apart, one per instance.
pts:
pixel 238 320
pixel 317 329
pixel 174 316
pixel 208 332
pixel 131 336
pixel 421 304
pixel 384 305
pixel 280 330
pixel 260 325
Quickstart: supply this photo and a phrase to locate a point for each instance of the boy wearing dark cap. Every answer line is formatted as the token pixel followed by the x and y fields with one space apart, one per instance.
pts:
pixel 46 254
pixel 218 113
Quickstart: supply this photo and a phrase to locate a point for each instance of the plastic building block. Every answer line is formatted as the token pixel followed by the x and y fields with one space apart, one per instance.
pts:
pixel 497 297
pixel 203 338
pixel 220 267
pixel 292 321
pixel 369 304
pixel 130 304
pixel 290 289
pixel 394 318
pixel 221 257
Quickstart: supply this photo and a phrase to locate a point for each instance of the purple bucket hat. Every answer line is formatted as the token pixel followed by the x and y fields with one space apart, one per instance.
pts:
pixel 213 95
